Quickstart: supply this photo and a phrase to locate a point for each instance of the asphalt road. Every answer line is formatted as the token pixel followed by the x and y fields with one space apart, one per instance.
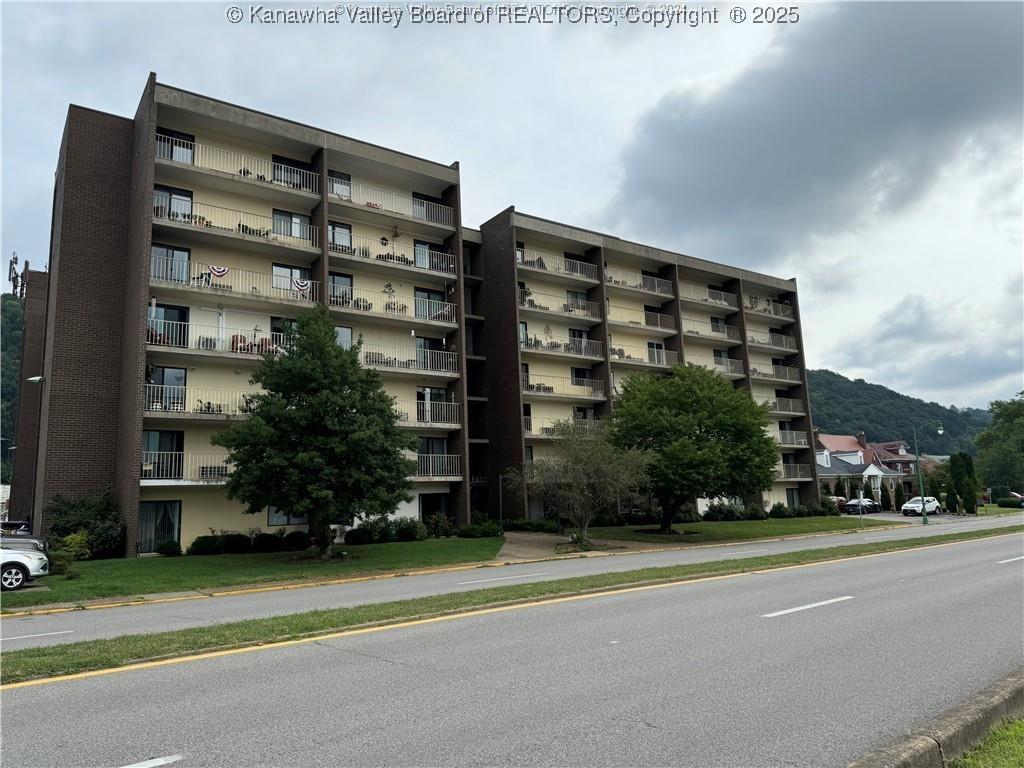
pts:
pixel 713 673
pixel 35 631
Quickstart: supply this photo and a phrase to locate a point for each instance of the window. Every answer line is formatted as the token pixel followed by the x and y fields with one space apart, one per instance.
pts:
pixel 656 352
pixel 339 184
pixel 165 388
pixel 295 280
pixel 291 173
pixel 429 304
pixel 792 497
pixel 524 373
pixel 520 252
pixel 339 237
pixel 276 517
pixel 422 254
pixel 721 356
pixel 291 224
pixel 718 324
pixel 175 145
pixel 343 336
pixel 425 354
pixel 167 325
pixel 524 332
pixel 169 262
pixel 162 454
pixel 433 446
pixel 430 404
pixel 339 288
pixel 427 207
pixel 580 376
pixel 159 522
pixel 528 456
pixel 283 326
pixel 172 203
pixel 582 413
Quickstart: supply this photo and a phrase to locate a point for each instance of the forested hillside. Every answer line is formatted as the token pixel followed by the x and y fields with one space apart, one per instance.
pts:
pixel 844 406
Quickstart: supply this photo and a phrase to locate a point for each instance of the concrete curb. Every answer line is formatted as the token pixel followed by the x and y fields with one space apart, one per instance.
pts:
pixel 955 731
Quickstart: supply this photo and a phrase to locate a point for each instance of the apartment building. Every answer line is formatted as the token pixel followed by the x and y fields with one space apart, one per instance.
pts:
pixel 185 240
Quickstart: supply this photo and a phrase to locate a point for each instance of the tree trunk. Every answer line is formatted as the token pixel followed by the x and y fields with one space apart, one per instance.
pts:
pixel 668 513
pixel 320 532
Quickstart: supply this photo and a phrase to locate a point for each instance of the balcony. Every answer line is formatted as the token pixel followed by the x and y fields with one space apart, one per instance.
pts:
pixel 439 466
pixel 563 347
pixel 180 468
pixel 390 256
pixel 793 438
pixel 422 414
pixel 239 283
pixel 564 387
pixel 405 310
pixel 634 355
pixel 544 428
pixel 786 405
pixel 192 402
pixel 707 297
pixel 375 199
pixel 713 333
pixel 793 472
pixel 637 281
pixel 770 307
pixel 410 360
pixel 174 336
pixel 252 227
pixel 532 302
pixel 725 366
pixel 253 170
pixel 782 373
pixel 770 340
pixel 569 270
pixel 653 323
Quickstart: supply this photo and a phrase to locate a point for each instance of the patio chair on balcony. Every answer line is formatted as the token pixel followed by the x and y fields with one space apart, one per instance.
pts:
pixel 395 308
pixel 240 343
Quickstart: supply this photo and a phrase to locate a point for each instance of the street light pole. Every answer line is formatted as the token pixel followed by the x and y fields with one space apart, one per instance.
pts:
pixel 920 472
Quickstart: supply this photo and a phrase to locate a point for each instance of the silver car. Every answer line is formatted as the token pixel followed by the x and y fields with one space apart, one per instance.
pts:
pixel 20 566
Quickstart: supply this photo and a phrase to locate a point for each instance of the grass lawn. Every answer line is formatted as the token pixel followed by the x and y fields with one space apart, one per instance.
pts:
pixel 992 509
pixel 146 575
pixel 718 532
pixel 104 654
pixel 1002 748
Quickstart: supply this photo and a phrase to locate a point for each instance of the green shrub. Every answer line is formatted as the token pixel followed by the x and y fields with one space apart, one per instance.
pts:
pixel 206 545
pixel 381 528
pixel 534 526
pixel 901 497
pixel 886 501
pixel 357 536
pixel 608 518
pixel 97 515
pixel 813 510
pixel 60 561
pixel 1000 492
pixel 76 545
pixel 484 530
pixel 440 526
pixel 267 542
pixel 952 502
pixel 1009 503
pixel 236 544
pixel 295 541
pixel 687 514
pixel 780 511
pixel 755 512
pixel 801 510
pixel 410 529
pixel 829 508
pixel 969 499
pixel 169 548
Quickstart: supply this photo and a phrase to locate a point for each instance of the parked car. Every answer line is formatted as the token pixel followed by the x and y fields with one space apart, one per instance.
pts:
pixel 15 527
pixel 913 507
pixel 20 566
pixel 852 507
pixel 839 501
pixel 22 542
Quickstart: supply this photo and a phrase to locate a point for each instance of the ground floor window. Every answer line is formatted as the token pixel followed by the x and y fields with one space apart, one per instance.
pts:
pixel 159 521
pixel 793 497
pixel 432 504
pixel 276 516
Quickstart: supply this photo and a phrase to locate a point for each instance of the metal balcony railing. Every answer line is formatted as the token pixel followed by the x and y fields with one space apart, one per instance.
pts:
pixel 212 338
pixel 387 251
pixel 768 307
pixel 550 303
pixel 216 219
pixel 178 465
pixel 560 265
pixel 634 354
pixel 711 330
pixel 582 347
pixel 720 365
pixel 793 437
pixel 241 282
pixel 794 472
pixel 785 405
pixel 783 372
pixel 423 413
pixel 236 164
pixel 171 399
pixel 641 318
pixel 409 358
pixel 545 427
pixel 708 296
pixel 563 385
pixel 391 305
pixel 387 200
pixel 439 465
pixel 628 278
pixel 777 340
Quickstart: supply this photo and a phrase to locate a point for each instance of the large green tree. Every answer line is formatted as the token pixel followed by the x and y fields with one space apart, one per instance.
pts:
pixel 704 438
pixel 12 332
pixel 1000 459
pixel 322 439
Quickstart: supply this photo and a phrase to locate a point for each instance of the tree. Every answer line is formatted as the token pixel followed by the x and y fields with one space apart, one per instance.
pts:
pixel 581 474
pixel 901 497
pixel 322 439
pixel 969 496
pixel 952 501
pixel 886 501
pixel 704 438
pixel 1001 445
pixel 840 488
pixel 869 492
pixel 825 490
pixel 961 469
pixel 12 321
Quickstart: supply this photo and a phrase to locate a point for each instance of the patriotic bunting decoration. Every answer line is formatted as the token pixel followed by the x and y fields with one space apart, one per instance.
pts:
pixel 219 271
pixel 302 286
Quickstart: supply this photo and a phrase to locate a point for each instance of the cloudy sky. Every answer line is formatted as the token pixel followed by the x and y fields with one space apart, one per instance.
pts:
pixel 872 151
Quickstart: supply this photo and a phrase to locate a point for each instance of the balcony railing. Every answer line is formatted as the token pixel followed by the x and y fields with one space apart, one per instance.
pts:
pixel 423 413
pixel 387 251
pixel 583 347
pixel 547 302
pixel 378 199
pixel 241 282
pixel 409 358
pixel 563 385
pixel 227 220
pixel 724 365
pixel 178 465
pixel 784 372
pixel 439 465
pixel 390 305
pixel 236 164
pixel 785 405
pixel 641 318
pixel 794 472
pixel 628 278
pixel 714 331
pixel 559 265
pixel 793 437
pixel 778 340
pixel 646 355
pixel 545 427
pixel 708 296
pixel 171 399
pixel 768 307
pixel 212 338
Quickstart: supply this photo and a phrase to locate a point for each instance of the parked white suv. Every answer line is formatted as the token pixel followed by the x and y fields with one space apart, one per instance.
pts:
pixel 20 566
pixel 913 507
